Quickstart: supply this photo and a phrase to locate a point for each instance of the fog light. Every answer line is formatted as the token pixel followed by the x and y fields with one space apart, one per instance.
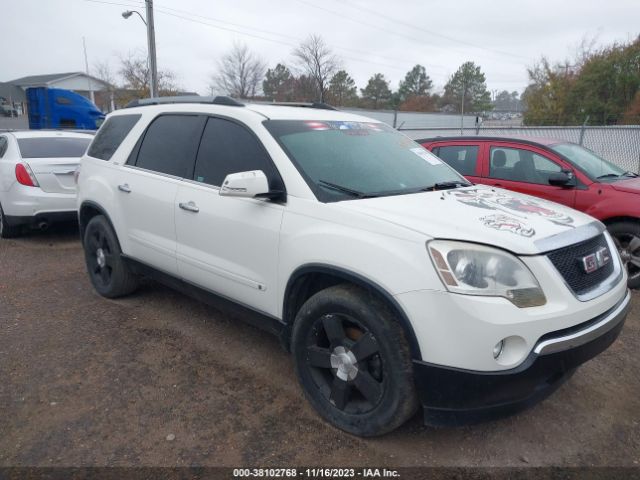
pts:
pixel 497 350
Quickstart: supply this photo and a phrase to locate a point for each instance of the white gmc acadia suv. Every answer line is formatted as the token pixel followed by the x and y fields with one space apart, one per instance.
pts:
pixel 393 281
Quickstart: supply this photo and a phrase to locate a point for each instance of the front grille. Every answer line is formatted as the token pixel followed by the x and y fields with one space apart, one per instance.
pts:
pixel 568 262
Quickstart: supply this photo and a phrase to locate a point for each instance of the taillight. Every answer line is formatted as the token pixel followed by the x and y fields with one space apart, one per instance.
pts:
pixel 25 176
pixel 76 175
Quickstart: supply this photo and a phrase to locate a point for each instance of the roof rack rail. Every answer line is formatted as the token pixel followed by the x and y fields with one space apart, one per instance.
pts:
pixel 318 105
pixel 219 100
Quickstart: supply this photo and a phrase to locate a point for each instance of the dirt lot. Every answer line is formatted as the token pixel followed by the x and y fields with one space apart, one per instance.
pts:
pixel 88 381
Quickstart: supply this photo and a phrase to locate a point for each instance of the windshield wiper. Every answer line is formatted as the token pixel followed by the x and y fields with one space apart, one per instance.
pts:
pixel 608 175
pixel 446 185
pixel 347 190
pixel 629 174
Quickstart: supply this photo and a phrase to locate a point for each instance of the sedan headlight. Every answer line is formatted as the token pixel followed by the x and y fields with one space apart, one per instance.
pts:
pixel 473 269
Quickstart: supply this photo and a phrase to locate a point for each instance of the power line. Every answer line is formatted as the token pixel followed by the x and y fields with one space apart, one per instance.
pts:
pixel 297 39
pixel 431 32
pixel 392 32
pixel 161 10
pixel 170 12
pixel 181 15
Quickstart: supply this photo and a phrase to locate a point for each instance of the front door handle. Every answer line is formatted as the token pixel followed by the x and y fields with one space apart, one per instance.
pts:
pixel 124 188
pixel 190 207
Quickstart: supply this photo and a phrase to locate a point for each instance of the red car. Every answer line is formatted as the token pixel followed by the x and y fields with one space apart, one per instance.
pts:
pixel 556 170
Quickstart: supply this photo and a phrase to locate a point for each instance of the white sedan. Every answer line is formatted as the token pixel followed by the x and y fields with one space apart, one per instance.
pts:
pixel 37 184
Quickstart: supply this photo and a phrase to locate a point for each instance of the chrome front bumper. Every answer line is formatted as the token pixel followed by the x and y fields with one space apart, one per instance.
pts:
pixel 584 333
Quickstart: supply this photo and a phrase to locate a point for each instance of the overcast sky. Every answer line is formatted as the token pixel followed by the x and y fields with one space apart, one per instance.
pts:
pixel 502 36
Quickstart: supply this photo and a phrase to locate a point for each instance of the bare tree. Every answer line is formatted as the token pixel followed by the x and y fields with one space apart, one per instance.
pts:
pixel 585 50
pixel 240 73
pixel 317 61
pixel 102 70
pixel 134 70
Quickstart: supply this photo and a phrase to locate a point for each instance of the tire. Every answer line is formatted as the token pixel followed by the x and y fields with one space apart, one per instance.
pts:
pixel 626 235
pixel 353 362
pixel 6 230
pixel 109 274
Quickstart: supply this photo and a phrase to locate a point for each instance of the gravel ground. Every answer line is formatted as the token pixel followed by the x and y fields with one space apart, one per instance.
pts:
pixel 158 379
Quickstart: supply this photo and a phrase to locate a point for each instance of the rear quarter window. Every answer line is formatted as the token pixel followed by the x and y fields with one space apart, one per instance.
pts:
pixel 170 144
pixel 111 135
pixel 462 158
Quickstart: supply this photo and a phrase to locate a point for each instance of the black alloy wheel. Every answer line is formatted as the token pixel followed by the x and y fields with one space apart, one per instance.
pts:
pixel 109 274
pixel 100 256
pixel 353 361
pixel 345 362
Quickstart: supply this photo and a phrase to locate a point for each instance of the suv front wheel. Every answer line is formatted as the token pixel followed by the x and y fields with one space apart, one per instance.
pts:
pixel 110 275
pixel 353 361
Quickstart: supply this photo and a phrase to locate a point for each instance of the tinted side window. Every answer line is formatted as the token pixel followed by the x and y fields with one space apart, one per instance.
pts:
pixel 226 148
pixel 3 146
pixel 462 158
pixel 170 143
pixel 111 135
pixel 519 165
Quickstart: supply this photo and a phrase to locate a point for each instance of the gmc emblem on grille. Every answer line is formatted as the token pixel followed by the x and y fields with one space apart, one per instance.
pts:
pixel 596 260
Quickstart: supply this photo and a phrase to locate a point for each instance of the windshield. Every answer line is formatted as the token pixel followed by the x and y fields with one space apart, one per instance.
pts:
pixel 346 160
pixel 595 167
pixel 48 147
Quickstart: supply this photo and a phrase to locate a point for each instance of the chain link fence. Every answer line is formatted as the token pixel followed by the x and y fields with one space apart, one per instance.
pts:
pixel 618 144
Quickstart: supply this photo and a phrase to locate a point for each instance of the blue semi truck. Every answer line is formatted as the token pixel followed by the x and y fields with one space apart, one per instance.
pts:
pixel 58 108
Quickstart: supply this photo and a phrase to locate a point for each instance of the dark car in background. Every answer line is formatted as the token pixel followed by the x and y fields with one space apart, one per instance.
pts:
pixel 555 170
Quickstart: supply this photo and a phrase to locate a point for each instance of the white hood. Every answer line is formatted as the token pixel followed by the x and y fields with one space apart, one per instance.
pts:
pixel 518 223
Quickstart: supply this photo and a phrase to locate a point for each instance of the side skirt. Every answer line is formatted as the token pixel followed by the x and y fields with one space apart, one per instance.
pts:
pixel 245 313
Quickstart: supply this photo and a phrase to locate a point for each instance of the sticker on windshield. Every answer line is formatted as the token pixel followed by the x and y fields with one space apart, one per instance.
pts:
pixel 349 128
pixel 425 155
pixel 317 125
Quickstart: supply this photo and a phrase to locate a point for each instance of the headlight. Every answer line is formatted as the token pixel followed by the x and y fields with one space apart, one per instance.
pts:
pixel 473 269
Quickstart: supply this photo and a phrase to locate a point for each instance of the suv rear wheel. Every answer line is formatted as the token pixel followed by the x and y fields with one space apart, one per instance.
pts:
pixel 353 361
pixel 110 275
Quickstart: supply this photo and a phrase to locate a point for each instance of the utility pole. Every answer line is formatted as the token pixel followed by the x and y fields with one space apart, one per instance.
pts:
pixel 86 69
pixel 151 40
pixel 462 109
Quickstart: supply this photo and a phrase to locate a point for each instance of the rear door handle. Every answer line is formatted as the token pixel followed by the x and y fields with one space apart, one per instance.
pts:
pixel 124 188
pixel 190 207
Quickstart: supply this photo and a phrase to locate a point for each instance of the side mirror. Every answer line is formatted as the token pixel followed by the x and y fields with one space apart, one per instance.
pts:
pixel 561 179
pixel 253 184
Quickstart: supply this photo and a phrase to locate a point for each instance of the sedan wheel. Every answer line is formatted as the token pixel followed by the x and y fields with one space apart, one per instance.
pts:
pixel 6 230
